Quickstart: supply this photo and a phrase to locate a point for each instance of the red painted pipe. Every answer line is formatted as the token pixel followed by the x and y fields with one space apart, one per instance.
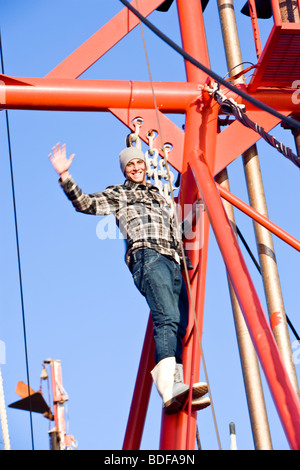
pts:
pixel 100 95
pixel 261 219
pixel 94 95
pixel 284 396
pixel 141 395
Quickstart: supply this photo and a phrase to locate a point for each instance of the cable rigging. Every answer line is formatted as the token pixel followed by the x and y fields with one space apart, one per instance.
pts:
pixel 18 251
pixel 229 106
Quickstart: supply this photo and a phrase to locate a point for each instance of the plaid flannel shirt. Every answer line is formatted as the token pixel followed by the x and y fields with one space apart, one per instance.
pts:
pixel 142 215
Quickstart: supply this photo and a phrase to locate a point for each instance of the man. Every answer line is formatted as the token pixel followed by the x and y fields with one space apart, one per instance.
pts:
pixel 153 256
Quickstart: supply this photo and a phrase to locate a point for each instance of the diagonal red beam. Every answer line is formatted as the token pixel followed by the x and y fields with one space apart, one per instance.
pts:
pixel 261 219
pixel 103 40
pixel 284 396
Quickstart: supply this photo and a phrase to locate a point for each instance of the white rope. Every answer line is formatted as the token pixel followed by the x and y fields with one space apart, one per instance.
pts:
pixel 3 416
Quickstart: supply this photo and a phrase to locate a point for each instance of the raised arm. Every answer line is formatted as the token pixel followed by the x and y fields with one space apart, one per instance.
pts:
pixel 101 203
pixel 59 160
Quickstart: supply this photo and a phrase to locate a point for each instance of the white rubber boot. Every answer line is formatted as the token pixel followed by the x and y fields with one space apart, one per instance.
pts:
pixel 172 392
pixel 199 388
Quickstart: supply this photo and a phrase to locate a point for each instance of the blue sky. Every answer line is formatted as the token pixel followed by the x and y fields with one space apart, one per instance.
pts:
pixel 80 302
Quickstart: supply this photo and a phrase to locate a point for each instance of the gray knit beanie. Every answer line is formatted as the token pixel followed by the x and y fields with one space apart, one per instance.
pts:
pixel 128 154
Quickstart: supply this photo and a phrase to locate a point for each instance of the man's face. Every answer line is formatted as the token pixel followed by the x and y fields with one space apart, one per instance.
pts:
pixel 136 171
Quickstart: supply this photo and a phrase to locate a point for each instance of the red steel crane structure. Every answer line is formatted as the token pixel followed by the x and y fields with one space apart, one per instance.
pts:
pixel 201 153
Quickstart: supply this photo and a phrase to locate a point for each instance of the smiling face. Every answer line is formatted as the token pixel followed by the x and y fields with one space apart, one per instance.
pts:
pixel 136 171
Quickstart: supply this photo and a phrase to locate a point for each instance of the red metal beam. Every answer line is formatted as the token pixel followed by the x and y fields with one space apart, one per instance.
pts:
pixel 124 98
pixel 172 97
pixel 103 40
pixel 284 396
pixel 141 395
pixel 261 219
pixel 193 38
pixel 94 95
pixel 276 12
pixel 255 27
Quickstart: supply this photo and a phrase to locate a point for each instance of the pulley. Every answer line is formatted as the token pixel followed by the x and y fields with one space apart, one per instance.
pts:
pixel 133 137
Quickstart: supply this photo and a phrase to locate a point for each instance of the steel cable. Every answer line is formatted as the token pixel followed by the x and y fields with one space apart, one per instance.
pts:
pixel 236 110
pixel 18 254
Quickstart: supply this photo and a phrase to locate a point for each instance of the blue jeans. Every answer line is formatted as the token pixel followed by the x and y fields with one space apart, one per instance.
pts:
pixel 159 280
